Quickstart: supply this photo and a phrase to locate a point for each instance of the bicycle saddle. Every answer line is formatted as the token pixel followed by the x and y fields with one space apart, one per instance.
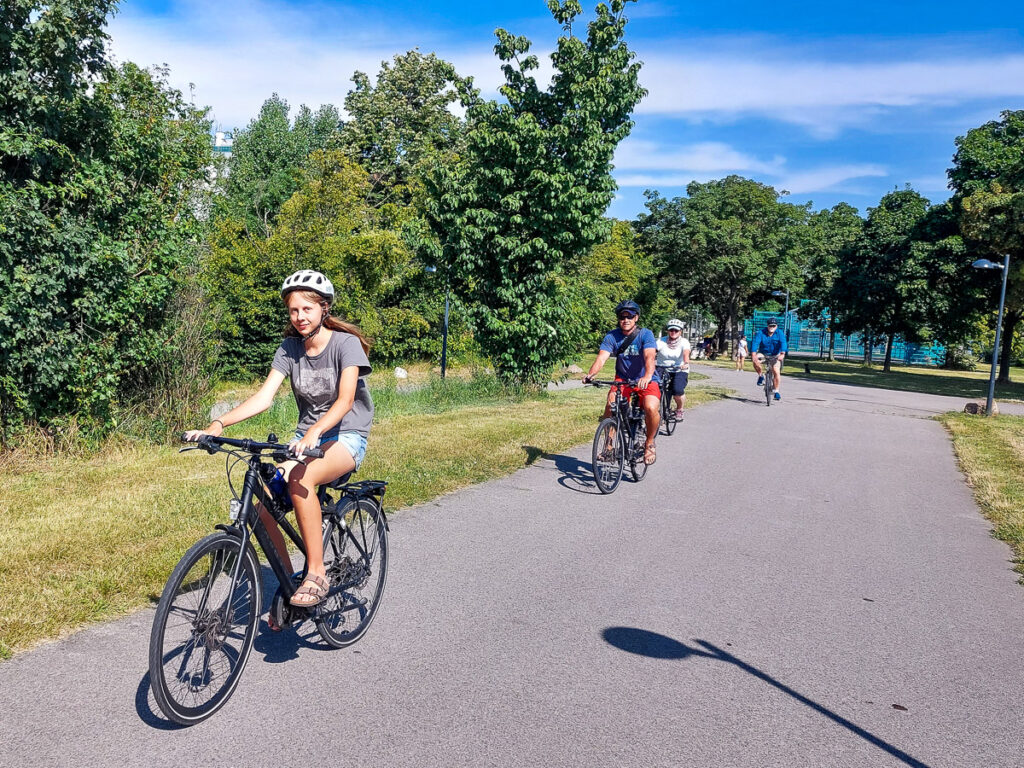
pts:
pixel 339 482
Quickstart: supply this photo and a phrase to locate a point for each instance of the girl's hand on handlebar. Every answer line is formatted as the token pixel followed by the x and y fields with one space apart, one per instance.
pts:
pixel 299 448
pixel 587 378
pixel 215 429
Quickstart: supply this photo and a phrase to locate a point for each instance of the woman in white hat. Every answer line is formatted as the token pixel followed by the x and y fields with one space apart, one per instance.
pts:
pixel 674 355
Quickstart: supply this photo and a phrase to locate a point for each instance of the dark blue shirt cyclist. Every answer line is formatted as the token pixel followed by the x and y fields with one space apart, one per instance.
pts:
pixel 769 342
pixel 635 351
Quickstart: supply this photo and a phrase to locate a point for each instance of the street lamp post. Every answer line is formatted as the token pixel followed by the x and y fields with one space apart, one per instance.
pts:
pixel 1005 266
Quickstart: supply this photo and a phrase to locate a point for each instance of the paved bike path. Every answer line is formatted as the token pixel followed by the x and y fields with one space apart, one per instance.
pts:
pixel 803 585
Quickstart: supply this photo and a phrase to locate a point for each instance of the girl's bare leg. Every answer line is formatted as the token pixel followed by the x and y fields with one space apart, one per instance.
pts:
pixel 302 482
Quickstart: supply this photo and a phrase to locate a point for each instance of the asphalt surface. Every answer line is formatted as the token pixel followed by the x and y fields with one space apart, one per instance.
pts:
pixel 809 584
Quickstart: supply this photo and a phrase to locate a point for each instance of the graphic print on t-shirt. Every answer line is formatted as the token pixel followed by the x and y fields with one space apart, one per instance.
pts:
pixel 315 385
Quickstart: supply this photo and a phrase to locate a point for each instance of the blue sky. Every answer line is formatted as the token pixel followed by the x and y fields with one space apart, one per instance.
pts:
pixel 831 102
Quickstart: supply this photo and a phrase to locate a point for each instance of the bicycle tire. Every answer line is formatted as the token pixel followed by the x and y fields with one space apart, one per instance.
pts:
pixel 768 388
pixel 608 456
pixel 192 616
pixel 668 414
pixel 355 550
pixel 637 465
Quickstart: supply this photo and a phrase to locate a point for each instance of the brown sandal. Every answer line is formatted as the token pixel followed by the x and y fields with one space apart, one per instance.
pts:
pixel 650 455
pixel 312 592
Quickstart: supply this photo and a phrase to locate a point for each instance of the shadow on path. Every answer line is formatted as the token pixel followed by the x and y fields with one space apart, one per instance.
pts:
pixel 656 646
pixel 576 475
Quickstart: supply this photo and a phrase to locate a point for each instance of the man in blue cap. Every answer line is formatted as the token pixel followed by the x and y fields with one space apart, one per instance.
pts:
pixel 769 342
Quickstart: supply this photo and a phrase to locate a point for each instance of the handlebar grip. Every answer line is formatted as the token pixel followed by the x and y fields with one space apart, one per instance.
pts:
pixel 313 453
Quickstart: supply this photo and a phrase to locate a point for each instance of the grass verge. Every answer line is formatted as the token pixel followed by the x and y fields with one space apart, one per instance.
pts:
pixel 991 454
pixel 933 381
pixel 88 539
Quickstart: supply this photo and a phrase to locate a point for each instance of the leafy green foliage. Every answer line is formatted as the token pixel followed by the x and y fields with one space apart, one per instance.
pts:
pixel 726 245
pixel 101 173
pixel 525 199
pixel 268 157
pixel 329 224
pixel 988 180
pixel 403 120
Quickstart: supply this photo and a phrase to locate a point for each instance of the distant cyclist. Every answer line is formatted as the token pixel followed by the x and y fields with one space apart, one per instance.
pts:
pixel 674 355
pixel 769 342
pixel 635 352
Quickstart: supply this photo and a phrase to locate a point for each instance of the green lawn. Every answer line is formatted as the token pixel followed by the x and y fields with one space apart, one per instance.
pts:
pixel 935 381
pixel 991 454
pixel 88 538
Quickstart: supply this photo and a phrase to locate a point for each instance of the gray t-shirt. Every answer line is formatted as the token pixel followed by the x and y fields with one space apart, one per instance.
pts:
pixel 315 380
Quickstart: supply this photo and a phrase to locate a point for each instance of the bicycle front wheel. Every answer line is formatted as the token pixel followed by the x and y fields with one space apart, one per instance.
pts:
pixel 768 388
pixel 203 630
pixel 356 558
pixel 608 455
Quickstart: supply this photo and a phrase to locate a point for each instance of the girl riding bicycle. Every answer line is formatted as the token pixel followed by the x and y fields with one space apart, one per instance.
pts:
pixel 325 358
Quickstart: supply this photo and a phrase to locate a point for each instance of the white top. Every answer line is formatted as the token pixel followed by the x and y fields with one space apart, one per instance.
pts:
pixel 673 358
pixel 741 347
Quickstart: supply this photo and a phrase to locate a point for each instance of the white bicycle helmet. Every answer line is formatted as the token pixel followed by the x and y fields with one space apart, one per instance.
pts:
pixel 309 280
pixel 675 323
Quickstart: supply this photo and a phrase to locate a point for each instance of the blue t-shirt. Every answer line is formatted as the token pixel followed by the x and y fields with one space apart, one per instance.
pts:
pixel 630 364
pixel 769 345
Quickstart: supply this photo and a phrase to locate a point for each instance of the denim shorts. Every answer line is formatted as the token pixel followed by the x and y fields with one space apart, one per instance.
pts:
pixel 354 443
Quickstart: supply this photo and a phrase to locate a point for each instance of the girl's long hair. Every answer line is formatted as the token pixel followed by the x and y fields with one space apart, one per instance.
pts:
pixel 332 322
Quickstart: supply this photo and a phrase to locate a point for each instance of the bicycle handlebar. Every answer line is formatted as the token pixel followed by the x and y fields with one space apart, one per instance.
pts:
pixel 249 446
pixel 607 383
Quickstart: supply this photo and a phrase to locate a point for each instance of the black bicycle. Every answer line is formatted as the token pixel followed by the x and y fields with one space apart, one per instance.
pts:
pixel 768 365
pixel 668 410
pixel 206 619
pixel 619 439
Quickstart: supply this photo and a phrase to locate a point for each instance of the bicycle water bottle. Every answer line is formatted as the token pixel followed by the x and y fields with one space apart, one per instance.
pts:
pixel 279 487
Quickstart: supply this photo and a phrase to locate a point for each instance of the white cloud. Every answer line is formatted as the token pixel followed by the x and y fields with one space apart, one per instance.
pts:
pixel 236 53
pixel 827 178
pixel 821 94
pixel 703 157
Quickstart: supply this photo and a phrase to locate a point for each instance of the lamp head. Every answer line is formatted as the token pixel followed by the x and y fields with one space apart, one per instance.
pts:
pixel 986 264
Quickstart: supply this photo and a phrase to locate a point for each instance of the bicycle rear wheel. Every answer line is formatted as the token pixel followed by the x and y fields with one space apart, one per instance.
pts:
pixel 637 465
pixel 203 632
pixel 608 455
pixel 356 556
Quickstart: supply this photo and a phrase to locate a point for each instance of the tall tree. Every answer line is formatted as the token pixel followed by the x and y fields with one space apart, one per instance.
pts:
pixel 831 232
pixel 526 198
pixel 726 245
pixel 883 285
pixel 402 120
pixel 268 158
pixel 988 180
pixel 101 169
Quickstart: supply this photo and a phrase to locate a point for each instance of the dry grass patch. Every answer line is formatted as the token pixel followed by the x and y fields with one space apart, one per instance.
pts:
pixel 991 454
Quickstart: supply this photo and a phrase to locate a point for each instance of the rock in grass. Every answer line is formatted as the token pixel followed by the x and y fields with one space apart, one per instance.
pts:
pixel 978 408
pixel 401 373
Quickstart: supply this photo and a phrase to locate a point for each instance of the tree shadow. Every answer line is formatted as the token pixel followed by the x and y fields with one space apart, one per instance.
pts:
pixel 576 475
pixel 657 646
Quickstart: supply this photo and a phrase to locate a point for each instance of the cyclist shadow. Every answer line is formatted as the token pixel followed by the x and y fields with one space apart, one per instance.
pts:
pixel 278 647
pixel 758 400
pixel 656 646
pixel 576 475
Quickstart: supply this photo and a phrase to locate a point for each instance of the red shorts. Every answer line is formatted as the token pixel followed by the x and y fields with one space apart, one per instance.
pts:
pixel 653 390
